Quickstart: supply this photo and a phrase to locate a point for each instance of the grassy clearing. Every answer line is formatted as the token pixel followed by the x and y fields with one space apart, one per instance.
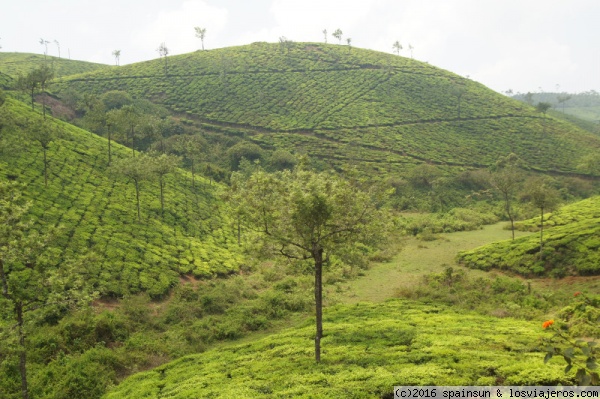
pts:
pixel 417 259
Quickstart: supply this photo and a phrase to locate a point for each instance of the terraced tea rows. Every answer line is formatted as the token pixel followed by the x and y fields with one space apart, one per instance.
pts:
pixel 97 211
pixel 389 108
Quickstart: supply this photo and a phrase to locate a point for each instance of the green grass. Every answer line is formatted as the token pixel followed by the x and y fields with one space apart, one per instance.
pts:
pixel 368 348
pixel 382 112
pixel 417 259
pixel 96 211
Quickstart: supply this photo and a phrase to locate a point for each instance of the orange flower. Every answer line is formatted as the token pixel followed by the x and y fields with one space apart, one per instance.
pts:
pixel 547 323
pixel 577 293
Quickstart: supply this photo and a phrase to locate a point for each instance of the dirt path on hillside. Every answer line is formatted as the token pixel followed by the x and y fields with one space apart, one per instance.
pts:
pixel 416 259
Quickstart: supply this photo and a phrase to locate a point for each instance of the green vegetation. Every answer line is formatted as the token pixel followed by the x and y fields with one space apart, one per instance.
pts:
pixel 370 348
pixel 194 235
pixel 163 263
pixel 570 248
pixel 304 215
pixel 382 112
pixel 14 64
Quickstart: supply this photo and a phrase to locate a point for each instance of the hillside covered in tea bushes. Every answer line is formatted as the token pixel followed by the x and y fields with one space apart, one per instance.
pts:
pixel 571 245
pixel 347 106
pixel 95 209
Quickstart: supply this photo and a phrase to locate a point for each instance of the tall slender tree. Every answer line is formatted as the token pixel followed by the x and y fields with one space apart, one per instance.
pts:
pixel 397 47
pixel 163 51
pixel 200 34
pixel 130 118
pixel 325 35
pixel 117 55
pixel 44 133
pixel 544 197
pixel 58 46
pixel 45 43
pixel 161 166
pixel 137 170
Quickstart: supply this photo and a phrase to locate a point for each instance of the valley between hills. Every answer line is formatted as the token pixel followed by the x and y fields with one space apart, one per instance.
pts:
pixel 174 228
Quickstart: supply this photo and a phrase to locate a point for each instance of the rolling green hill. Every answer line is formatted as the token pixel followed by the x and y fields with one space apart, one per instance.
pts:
pixel 348 105
pixel 96 209
pixel 370 348
pixel 13 64
pixel 572 247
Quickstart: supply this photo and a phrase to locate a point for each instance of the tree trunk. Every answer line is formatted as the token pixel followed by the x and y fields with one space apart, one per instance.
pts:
pixel 193 177
pixel 137 197
pixel 509 214
pixel 22 352
pixel 133 142
pixel 318 257
pixel 162 197
pixel 109 153
pixel 542 232
pixel 239 231
pixel 45 169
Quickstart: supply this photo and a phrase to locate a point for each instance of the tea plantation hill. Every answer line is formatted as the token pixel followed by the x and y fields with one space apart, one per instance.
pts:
pixel 348 105
pixel 13 64
pixel 97 211
pixel 571 245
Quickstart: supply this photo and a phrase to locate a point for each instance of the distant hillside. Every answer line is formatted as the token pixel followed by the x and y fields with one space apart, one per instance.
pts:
pixel 584 106
pixel 370 348
pixel 348 106
pixel 97 211
pixel 572 247
pixel 13 64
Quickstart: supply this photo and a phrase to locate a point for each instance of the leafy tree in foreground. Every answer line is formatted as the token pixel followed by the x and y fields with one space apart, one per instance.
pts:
pixel 200 34
pixel 29 282
pixel 307 215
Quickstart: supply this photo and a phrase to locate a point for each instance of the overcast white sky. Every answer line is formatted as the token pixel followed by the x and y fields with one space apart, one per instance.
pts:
pixel 524 45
